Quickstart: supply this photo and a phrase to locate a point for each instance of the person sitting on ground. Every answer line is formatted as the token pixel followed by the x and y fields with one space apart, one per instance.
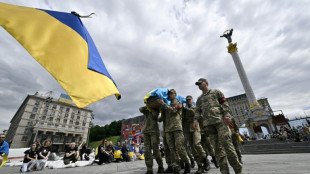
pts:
pixel 117 152
pixel 82 149
pixel 87 153
pixel 109 150
pixel 125 153
pixel 4 149
pixel 101 153
pixel 38 144
pixel 43 154
pixel 131 153
pixel 72 154
pixel 30 158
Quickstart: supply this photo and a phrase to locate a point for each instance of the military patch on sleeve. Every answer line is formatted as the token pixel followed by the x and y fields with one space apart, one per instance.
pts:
pixel 176 106
pixel 222 100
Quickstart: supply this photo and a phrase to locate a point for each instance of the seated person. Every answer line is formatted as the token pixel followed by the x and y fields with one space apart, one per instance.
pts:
pixel 87 153
pixel 72 154
pixel 117 152
pixel 131 152
pixel 43 154
pixel 101 153
pixel 109 150
pixel 30 158
pixel 125 153
pixel 82 149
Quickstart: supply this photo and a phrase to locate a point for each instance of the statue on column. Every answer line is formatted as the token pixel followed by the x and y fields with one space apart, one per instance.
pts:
pixel 227 34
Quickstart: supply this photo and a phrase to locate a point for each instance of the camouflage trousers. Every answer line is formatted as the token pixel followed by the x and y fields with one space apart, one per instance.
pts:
pixel 175 142
pixel 220 138
pixel 194 140
pixel 206 144
pixel 167 151
pixel 236 143
pixel 151 141
pixel 187 146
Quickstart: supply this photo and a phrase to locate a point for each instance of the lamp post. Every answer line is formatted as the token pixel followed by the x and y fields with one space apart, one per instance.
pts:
pixel 90 125
pixel 47 100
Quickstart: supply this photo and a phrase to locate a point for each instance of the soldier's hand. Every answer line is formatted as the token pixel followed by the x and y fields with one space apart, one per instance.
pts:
pixel 160 101
pixel 227 120
pixel 184 105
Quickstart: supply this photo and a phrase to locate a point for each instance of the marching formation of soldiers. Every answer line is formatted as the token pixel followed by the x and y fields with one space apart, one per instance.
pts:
pixel 191 133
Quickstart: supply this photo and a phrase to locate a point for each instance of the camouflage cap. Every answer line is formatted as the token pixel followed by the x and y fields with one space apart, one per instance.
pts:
pixel 189 97
pixel 143 108
pixel 201 80
pixel 172 91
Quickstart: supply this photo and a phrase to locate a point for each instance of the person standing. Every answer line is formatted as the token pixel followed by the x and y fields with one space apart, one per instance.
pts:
pixel 214 110
pixel 151 139
pixel 4 149
pixel 43 154
pixel 174 134
pixel 235 138
pixel 72 154
pixel 30 158
pixel 193 135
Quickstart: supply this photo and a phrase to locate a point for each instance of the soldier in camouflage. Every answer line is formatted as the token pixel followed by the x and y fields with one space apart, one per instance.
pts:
pixel 235 138
pixel 213 108
pixel 166 148
pixel 151 139
pixel 207 146
pixel 193 135
pixel 174 134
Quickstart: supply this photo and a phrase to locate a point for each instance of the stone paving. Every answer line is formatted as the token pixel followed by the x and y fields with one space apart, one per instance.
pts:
pixel 257 164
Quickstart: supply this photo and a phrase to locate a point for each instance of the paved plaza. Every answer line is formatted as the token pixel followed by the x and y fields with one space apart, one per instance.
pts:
pixel 267 163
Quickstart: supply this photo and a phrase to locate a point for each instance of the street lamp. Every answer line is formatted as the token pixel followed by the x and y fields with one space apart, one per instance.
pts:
pixel 47 100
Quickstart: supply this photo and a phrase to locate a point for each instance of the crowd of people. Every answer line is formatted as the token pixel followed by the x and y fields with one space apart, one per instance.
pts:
pixel 297 134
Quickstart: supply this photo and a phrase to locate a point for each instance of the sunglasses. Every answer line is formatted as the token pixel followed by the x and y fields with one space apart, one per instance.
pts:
pixel 2 137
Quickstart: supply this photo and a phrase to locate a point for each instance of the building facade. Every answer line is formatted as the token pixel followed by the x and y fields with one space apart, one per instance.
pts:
pixel 239 106
pixel 61 122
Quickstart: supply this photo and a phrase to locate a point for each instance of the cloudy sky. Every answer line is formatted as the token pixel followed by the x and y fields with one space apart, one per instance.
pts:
pixel 150 44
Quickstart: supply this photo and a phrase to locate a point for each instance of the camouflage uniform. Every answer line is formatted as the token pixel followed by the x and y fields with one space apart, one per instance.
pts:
pixel 235 139
pixel 193 135
pixel 187 134
pixel 213 107
pixel 173 128
pixel 151 139
pixel 166 147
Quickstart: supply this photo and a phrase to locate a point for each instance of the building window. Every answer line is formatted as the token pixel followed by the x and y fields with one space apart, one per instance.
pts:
pixel 44 117
pixel 78 117
pixel 63 125
pixel 45 111
pixel 27 130
pixel 35 109
pixel 29 123
pixel 71 121
pixel 85 118
pixel 37 102
pixel 79 112
pixel 47 105
pixel 70 127
pixel 24 138
pixel 61 108
pixel 59 114
pixel 66 114
pixel 65 121
pixel 83 128
pixel 77 123
pixel 56 125
pixel 72 116
pixel 73 111
pixel 50 119
pixel 54 106
pixel 84 124
pixel 58 120
pixel 67 109
pixel 53 112
pixel 32 116
pixel 42 123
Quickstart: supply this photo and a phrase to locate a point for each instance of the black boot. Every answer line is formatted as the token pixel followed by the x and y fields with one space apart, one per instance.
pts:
pixel 215 162
pixel 192 163
pixel 181 165
pixel 149 172
pixel 240 160
pixel 206 164
pixel 160 170
pixel 176 170
pixel 187 168
pixel 200 169
pixel 168 170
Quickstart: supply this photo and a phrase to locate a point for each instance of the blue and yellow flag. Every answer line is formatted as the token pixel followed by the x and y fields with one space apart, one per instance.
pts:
pixel 61 44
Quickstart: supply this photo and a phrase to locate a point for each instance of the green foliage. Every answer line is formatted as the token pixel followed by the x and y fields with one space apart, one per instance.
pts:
pixel 114 139
pixel 97 133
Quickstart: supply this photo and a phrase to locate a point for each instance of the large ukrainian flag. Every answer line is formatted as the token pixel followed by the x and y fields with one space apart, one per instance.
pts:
pixel 61 44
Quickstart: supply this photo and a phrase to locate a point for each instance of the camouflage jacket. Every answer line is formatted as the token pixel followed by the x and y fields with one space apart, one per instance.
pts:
pixel 150 121
pixel 233 126
pixel 212 107
pixel 172 114
pixel 188 119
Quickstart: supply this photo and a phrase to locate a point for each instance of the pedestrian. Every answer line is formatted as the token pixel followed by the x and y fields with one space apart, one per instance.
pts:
pixel 151 139
pixel 30 159
pixel 71 154
pixel 235 138
pixel 43 154
pixel 174 134
pixel 213 108
pixel 4 149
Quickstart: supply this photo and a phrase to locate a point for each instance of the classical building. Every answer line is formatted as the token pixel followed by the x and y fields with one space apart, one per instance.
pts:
pixel 46 118
pixel 239 106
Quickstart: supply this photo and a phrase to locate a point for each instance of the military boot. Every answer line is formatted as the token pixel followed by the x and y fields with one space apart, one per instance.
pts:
pixel 187 168
pixel 192 163
pixel 160 170
pixel 169 170
pixel 181 165
pixel 206 164
pixel 215 162
pixel 176 170
pixel 149 172
pixel 200 169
